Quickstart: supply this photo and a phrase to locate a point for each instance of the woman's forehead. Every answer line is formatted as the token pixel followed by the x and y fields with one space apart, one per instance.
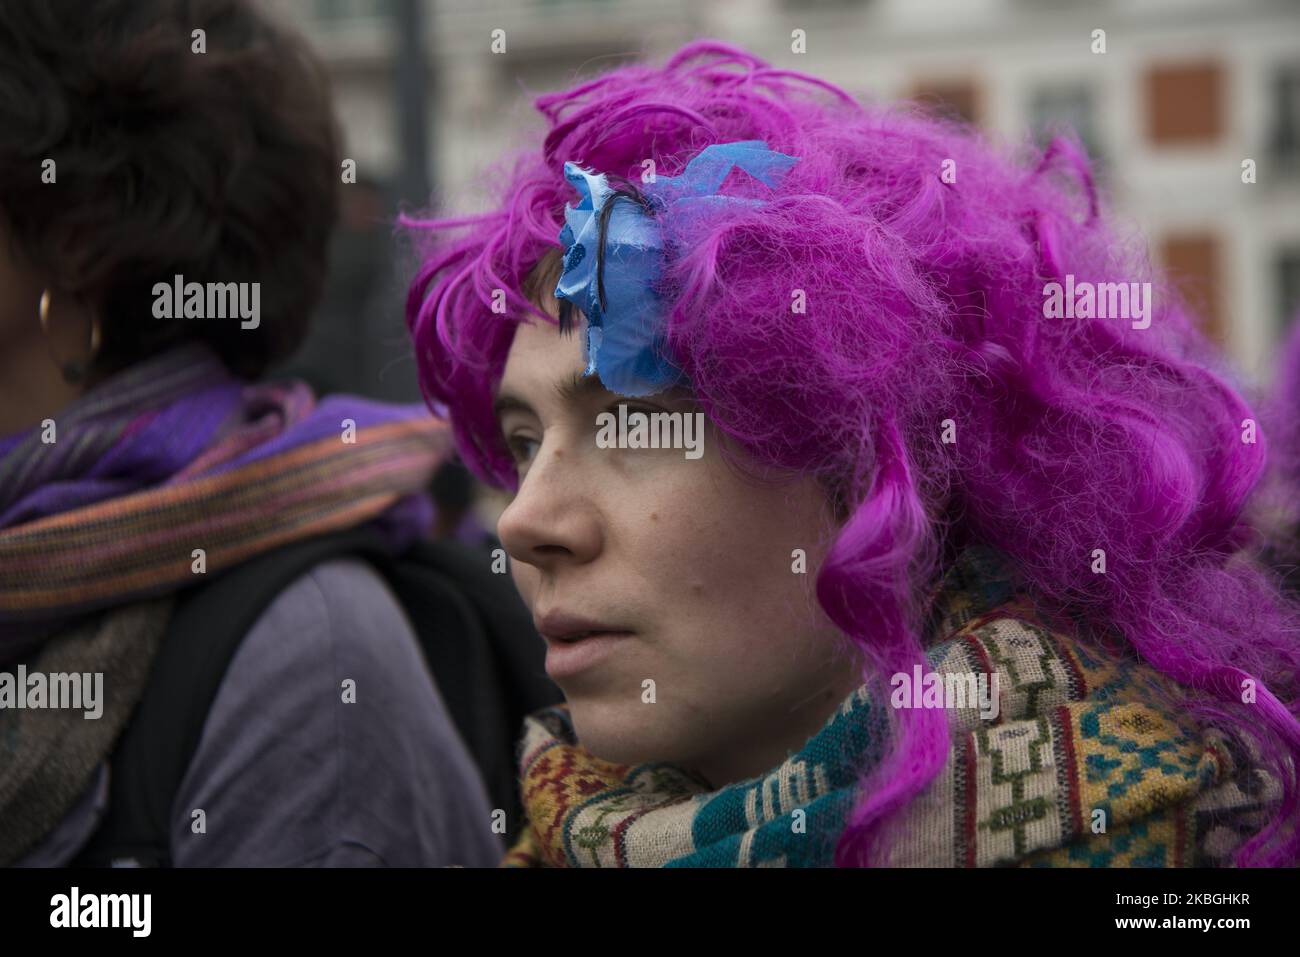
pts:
pixel 539 351
pixel 543 358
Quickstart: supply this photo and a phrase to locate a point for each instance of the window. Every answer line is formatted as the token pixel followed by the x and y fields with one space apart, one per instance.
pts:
pixel 955 99
pixel 1192 262
pixel 1184 104
pixel 335 10
pixel 1286 270
pixel 1285 135
pixel 1056 109
pixel 804 6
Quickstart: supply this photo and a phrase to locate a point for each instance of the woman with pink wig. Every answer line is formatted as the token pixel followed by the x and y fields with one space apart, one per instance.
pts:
pixel 876 500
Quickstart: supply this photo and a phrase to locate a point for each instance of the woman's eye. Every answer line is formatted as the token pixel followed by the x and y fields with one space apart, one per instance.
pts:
pixel 521 448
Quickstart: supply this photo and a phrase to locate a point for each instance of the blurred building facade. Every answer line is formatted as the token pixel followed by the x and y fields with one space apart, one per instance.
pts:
pixel 1185 92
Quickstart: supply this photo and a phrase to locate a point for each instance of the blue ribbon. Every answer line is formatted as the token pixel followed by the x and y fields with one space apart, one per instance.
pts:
pixel 625 341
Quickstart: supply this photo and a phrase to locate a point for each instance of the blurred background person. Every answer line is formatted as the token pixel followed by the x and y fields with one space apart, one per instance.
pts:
pixel 142 141
pixel 1278 508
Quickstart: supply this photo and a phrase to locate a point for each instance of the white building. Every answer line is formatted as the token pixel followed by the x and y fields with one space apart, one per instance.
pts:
pixel 1185 92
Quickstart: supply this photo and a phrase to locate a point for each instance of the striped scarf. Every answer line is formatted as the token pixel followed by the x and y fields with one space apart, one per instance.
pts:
pixel 174 468
pixel 1086 765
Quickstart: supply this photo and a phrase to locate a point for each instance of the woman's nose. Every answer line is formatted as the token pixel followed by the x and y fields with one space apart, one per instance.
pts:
pixel 553 518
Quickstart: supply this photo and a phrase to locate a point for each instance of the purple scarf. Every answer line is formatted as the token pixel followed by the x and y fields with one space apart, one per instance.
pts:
pixel 170 443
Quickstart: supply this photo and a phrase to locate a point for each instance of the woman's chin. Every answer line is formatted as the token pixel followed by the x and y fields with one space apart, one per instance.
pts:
pixel 621 732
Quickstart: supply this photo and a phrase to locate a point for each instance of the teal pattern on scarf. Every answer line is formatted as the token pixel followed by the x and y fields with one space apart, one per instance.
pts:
pixel 822 782
pixel 827 771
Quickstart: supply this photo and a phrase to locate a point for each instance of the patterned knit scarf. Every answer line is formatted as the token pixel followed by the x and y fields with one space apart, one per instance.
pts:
pixel 48 756
pixel 1083 741
pixel 164 474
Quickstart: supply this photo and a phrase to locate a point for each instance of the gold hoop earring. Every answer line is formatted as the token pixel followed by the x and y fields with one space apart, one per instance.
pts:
pixel 73 371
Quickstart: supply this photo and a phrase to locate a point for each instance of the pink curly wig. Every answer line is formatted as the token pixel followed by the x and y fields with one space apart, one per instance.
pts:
pixel 924 303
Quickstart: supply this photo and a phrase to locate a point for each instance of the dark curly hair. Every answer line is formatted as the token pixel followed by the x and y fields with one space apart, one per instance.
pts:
pixel 221 166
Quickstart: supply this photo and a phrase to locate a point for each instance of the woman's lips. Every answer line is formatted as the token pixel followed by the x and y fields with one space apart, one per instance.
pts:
pixel 567 658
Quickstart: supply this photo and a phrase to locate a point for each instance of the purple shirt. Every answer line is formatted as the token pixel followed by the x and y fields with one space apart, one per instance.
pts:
pixel 289 775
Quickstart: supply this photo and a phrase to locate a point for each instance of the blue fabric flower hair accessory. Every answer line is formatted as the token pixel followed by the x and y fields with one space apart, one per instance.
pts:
pixel 625 315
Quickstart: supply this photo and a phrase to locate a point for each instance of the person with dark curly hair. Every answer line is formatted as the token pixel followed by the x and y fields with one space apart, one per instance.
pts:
pixel 168 177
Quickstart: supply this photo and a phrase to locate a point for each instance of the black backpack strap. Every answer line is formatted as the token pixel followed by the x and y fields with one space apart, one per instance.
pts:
pixel 487 660
pixel 208 624
pixel 518 649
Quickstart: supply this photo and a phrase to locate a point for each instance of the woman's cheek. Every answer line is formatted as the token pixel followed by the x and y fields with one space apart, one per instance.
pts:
pixel 525 579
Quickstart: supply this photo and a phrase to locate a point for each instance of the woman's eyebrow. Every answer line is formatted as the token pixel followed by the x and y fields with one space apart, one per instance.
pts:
pixel 579 387
pixel 508 403
pixel 571 391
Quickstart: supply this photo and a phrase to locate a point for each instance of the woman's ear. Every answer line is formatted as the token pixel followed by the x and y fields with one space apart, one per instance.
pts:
pixel 19 290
